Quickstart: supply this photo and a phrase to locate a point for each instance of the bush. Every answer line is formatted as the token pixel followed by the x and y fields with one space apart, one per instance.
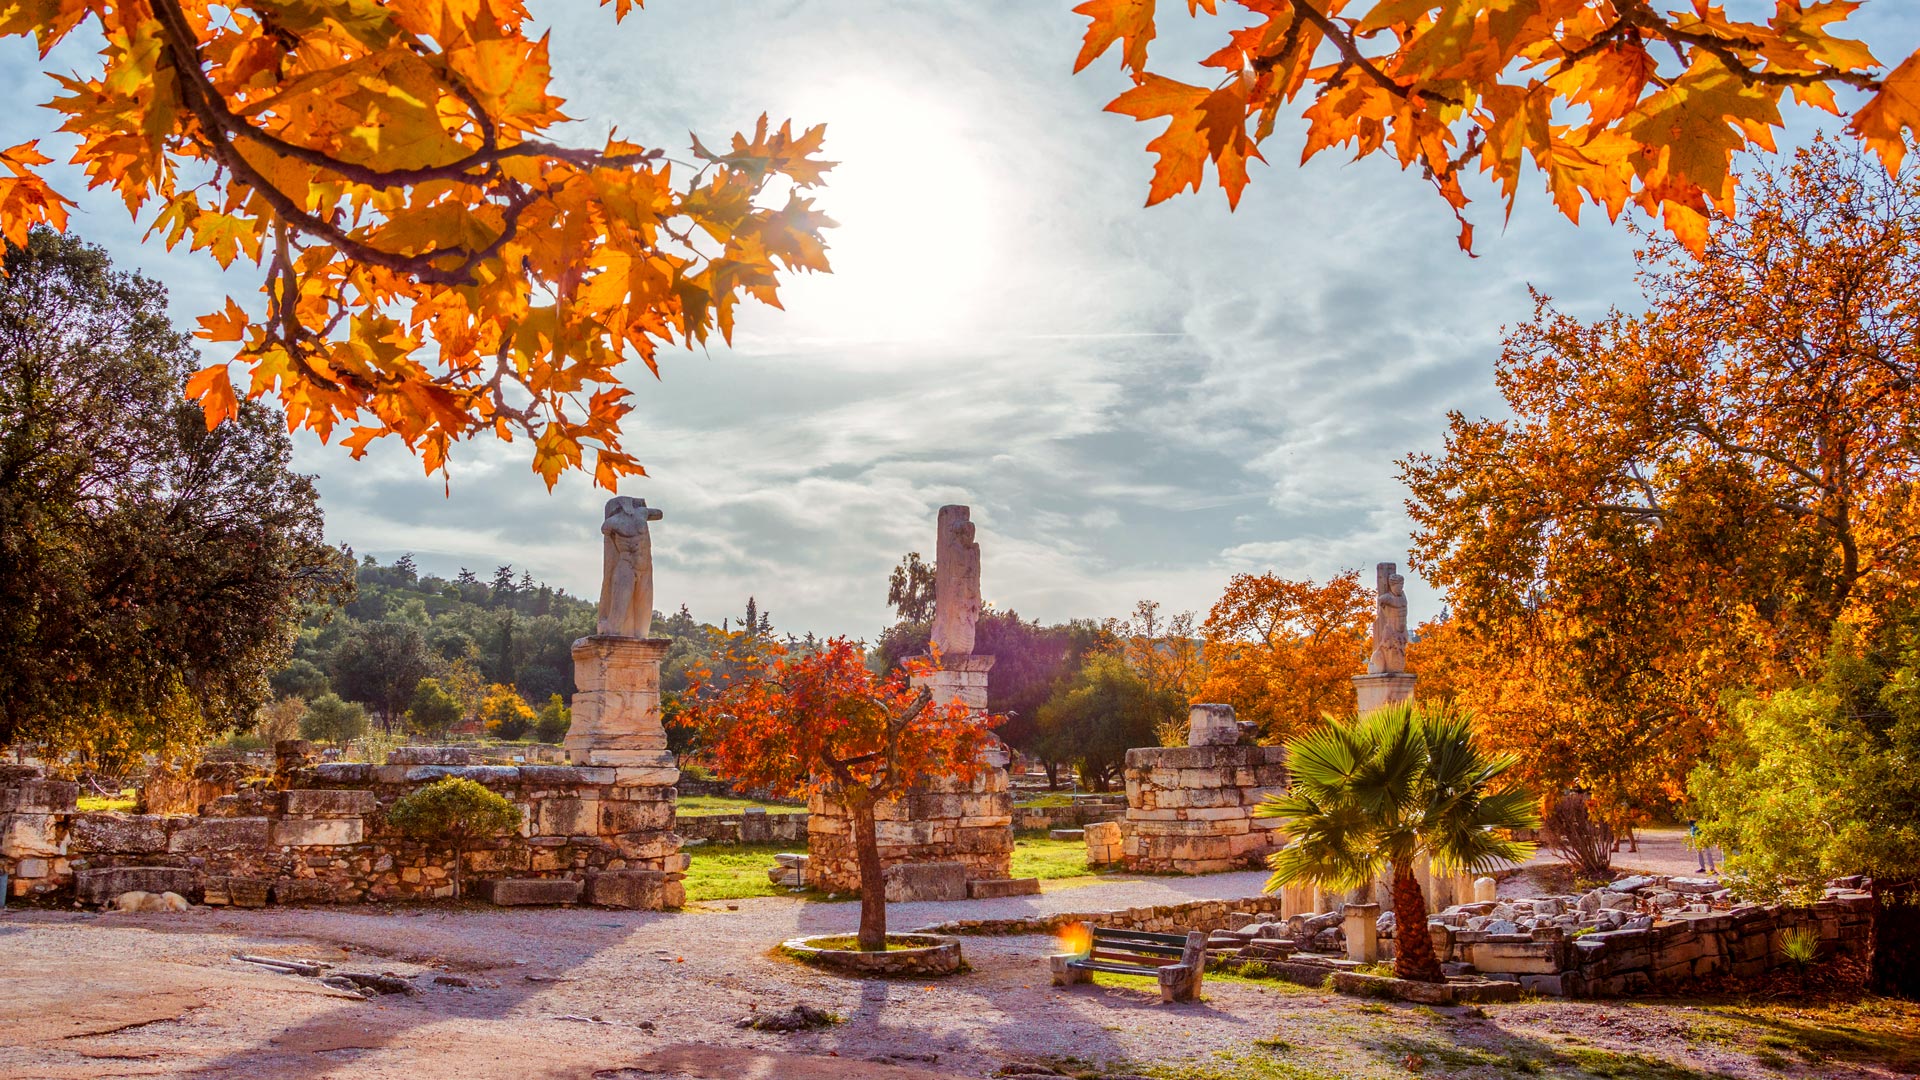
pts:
pixel 329 719
pixel 505 714
pixel 433 711
pixel 554 720
pixel 456 812
pixel 1574 834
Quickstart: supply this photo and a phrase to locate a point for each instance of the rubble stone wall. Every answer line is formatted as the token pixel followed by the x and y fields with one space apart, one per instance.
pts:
pixel 770 828
pixel 318 833
pixel 1677 948
pixel 968 823
pixel 1190 808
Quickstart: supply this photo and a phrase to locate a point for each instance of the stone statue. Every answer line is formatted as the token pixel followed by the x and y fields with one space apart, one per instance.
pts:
pixel 1389 622
pixel 626 581
pixel 956 583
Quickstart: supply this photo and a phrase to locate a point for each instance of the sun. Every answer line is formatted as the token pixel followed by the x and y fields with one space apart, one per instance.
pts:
pixel 913 257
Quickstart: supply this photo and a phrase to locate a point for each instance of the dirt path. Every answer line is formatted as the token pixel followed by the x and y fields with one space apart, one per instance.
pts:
pixel 589 993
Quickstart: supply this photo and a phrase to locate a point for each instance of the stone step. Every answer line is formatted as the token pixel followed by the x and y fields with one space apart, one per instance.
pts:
pixel 529 892
pixel 992 888
pixel 1066 834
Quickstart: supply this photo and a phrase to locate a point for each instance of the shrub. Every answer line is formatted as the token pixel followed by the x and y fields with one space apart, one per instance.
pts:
pixel 554 720
pixel 433 711
pixel 1584 841
pixel 1801 946
pixel 329 719
pixel 505 714
pixel 456 812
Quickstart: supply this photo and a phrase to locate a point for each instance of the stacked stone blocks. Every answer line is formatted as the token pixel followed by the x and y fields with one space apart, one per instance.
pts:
pixel 323 838
pixel 1190 808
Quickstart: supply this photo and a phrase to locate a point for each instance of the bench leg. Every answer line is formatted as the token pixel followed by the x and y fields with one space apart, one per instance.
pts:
pixel 1181 982
pixel 1064 974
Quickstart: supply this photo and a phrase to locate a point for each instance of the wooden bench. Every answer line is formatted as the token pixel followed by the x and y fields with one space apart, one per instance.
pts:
pixel 1176 960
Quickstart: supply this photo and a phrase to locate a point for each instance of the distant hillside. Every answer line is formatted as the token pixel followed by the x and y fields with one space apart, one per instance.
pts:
pixel 467 632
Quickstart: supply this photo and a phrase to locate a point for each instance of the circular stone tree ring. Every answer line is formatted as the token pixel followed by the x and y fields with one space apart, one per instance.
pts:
pixel 907 954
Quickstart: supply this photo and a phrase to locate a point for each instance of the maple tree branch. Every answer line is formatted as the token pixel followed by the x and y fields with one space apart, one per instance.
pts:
pixel 220 124
pixel 1351 56
pixel 1723 50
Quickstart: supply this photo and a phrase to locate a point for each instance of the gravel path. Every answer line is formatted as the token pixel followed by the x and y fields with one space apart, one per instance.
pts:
pixel 621 995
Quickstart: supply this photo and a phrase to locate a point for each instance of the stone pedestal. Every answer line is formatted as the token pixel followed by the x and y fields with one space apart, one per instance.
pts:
pixel 616 723
pixel 1386 688
pixel 1361 924
pixel 1190 808
pixel 616 711
pixel 946 821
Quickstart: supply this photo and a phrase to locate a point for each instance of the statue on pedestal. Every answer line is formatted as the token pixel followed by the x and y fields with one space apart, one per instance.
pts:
pixel 1389 622
pixel 626 582
pixel 956 583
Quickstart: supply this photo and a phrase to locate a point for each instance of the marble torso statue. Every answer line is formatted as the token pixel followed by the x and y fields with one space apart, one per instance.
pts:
pixel 1389 623
pixel 626 582
pixel 956 583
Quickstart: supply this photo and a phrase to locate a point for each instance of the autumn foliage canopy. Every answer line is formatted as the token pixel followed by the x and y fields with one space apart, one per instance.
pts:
pixel 1688 500
pixel 434 266
pixel 790 722
pixel 1615 102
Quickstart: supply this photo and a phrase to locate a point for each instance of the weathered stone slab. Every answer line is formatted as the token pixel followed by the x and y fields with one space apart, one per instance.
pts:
pixel 429 755
pixel 216 834
pixel 909 882
pixel 240 892
pixel 529 892
pixel 39 797
pixel 346 772
pixel 319 802
pixel 642 890
pixel 317 832
pixel 991 888
pixel 102 885
pixel 32 836
pixel 113 832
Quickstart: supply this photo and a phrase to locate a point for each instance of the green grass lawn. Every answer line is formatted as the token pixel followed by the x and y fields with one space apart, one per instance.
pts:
pixel 704 805
pixel 738 871
pixel 93 804
pixel 1048 859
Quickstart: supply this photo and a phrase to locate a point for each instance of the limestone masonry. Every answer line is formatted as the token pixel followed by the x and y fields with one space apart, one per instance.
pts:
pixel 316 833
pixel 1190 808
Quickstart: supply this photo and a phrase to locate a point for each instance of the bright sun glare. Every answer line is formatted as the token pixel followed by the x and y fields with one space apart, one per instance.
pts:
pixel 911 258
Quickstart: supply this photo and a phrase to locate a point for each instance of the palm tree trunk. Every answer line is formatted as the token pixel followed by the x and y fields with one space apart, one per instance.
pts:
pixel 873 885
pixel 1413 956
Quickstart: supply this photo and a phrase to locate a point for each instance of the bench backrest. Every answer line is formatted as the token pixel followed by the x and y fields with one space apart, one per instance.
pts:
pixel 1139 947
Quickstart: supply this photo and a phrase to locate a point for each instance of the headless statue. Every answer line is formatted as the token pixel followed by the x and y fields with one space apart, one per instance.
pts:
pixel 956 583
pixel 626 580
pixel 1389 623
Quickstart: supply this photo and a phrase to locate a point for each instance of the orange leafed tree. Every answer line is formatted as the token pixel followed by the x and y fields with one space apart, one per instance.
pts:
pixel 1284 653
pixel 823 721
pixel 1687 500
pixel 435 267
pixel 1614 102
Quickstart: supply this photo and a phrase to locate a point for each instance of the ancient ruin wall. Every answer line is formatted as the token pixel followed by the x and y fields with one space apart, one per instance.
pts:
pixel 319 835
pixel 971 824
pixel 1190 808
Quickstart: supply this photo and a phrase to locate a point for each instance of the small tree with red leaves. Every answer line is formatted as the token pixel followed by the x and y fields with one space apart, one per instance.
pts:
pixel 823 721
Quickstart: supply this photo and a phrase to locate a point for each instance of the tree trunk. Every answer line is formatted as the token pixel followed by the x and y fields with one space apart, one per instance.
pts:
pixel 873 884
pixel 458 858
pixel 1413 956
pixel 1053 774
pixel 1896 940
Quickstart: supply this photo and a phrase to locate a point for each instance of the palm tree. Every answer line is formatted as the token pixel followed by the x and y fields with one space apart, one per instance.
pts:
pixel 1378 793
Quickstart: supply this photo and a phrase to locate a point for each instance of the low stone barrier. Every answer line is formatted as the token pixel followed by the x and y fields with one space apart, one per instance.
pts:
pixel 768 828
pixel 318 833
pixel 1161 918
pixel 1081 812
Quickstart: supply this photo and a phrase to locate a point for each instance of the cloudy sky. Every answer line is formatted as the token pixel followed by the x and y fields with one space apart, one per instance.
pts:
pixel 1137 403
